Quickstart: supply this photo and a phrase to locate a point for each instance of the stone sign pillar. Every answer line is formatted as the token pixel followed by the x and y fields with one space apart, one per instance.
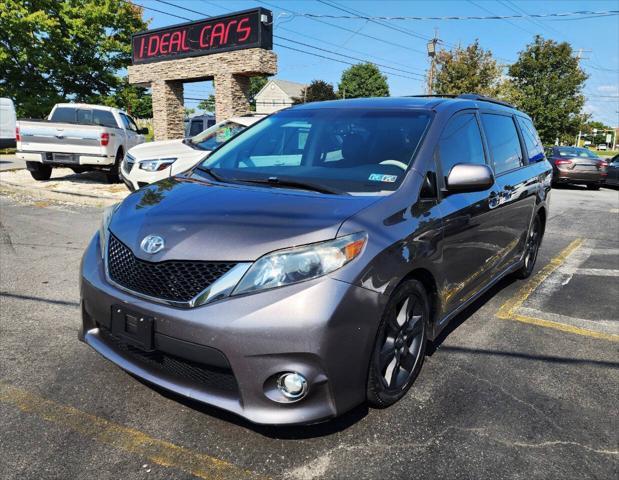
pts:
pixel 228 49
pixel 232 90
pixel 168 109
pixel 229 70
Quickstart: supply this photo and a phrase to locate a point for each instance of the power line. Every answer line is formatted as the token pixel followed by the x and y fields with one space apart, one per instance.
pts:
pixel 336 60
pixel 377 22
pixel 353 58
pixel 387 42
pixel 505 18
pixel 554 16
pixel 280 27
pixel 307 45
pixel 155 10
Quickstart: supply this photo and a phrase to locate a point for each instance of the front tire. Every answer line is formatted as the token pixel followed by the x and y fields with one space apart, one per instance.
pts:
pixel 39 171
pixel 530 256
pixel 594 186
pixel 400 346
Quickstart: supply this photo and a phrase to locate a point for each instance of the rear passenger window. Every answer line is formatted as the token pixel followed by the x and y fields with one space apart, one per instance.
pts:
pixel 63 114
pixel 531 140
pixel 460 143
pixel 104 118
pixel 84 117
pixel 503 142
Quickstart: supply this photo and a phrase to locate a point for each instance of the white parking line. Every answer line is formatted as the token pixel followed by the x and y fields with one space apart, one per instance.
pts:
pixel 598 272
pixel 606 326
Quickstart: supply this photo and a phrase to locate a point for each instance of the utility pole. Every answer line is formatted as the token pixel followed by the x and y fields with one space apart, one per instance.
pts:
pixel 431 46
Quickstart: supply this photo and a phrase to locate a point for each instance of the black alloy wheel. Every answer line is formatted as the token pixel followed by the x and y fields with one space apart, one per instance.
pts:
pixel 400 345
pixel 532 248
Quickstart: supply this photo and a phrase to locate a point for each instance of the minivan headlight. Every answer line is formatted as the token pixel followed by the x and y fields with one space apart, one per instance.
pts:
pixel 105 223
pixel 156 165
pixel 293 265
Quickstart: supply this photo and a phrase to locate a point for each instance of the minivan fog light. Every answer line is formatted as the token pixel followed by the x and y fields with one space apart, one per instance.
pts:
pixel 292 385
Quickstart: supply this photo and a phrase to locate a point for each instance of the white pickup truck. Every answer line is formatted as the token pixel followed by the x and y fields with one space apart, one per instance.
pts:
pixel 79 136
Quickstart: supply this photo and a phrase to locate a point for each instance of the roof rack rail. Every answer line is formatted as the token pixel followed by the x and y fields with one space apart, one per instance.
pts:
pixel 466 96
pixel 483 98
pixel 433 95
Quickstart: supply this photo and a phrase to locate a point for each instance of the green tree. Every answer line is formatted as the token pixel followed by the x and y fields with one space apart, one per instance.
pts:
pixel 207 105
pixel 363 80
pixel 53 51
pixel 255 85
pixel 467 70
pixel 549 81
pixel 134 100
pixel 317 91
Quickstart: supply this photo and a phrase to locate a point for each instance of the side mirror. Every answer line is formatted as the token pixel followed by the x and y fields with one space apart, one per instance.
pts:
pixel 469 177
pixel 143 131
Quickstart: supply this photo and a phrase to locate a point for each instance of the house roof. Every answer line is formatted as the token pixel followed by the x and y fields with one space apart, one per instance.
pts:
pixel 292 89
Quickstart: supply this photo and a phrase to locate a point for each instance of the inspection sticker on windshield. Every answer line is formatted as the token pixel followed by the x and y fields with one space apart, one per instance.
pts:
pixel 377 177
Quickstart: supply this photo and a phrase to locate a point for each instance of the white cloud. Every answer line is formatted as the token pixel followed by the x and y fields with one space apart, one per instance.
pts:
pixel 608 89
pixel 590 108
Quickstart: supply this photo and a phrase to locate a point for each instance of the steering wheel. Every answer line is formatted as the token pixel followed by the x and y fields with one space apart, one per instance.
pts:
pixel 395 163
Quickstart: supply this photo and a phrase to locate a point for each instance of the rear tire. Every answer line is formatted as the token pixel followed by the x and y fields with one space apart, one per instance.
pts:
pixel 39 171
pixel 595 186
pixel 400 346
pixel 532 248
pixel 113 175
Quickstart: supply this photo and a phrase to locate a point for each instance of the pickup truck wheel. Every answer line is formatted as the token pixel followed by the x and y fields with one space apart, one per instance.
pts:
pixel 112 175
pixel 39 171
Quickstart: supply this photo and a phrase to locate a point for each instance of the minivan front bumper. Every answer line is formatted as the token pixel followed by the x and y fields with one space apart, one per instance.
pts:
pixel 227 353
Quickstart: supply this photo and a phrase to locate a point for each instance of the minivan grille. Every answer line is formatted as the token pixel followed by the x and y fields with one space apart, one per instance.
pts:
pixel 175 280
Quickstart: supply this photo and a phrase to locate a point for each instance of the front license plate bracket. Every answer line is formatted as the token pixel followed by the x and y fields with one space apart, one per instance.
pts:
pixel 135 328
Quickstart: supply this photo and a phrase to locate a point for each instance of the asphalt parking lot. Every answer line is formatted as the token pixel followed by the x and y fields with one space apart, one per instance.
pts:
pixel 524 385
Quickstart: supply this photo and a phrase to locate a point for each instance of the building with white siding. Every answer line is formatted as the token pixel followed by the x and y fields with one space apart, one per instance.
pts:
pixel 277 94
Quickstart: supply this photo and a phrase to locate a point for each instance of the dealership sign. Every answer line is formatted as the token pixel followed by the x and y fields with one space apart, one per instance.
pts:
pixel 247 29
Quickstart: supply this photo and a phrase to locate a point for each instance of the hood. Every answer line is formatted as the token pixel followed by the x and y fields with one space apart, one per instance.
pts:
pixel 208 221
pixel 162 149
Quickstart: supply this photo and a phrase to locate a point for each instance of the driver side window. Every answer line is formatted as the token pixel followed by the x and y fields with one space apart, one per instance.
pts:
pixel 460 143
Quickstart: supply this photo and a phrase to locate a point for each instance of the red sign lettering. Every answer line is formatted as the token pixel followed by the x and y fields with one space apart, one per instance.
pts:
pixel 250 29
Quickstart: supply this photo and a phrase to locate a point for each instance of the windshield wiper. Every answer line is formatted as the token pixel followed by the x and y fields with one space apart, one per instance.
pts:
pixel 210 172
pixel 283 182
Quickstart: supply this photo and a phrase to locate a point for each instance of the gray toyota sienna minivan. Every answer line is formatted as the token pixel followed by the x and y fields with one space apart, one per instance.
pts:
pixel 301 269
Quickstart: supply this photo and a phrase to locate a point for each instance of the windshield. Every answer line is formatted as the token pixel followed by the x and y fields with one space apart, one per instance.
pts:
pixel 214 136
pixel 350 150
pixel 576 152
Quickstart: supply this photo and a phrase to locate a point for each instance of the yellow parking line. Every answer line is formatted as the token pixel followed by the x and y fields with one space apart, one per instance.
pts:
pixel 509 310
pixel 123 438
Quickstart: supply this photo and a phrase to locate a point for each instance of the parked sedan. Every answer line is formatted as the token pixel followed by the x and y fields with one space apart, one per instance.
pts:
pixel 574 165
pixel 613 171
pixel 150 162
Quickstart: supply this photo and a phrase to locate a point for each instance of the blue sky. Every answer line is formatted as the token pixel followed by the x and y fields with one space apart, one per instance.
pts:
pixel 597 37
